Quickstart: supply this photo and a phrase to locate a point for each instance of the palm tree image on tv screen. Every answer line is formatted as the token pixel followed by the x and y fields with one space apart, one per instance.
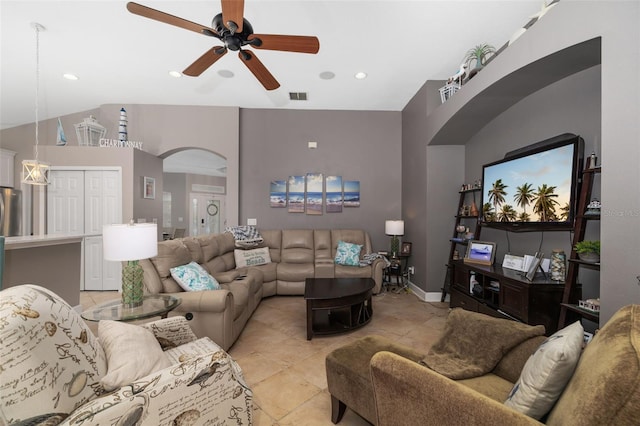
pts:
pixel 534 188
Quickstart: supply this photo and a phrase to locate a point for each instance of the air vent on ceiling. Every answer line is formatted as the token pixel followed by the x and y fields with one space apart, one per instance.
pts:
pixel 298 96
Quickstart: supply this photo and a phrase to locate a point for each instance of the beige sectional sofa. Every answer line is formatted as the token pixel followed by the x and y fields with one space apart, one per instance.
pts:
pixel 296 254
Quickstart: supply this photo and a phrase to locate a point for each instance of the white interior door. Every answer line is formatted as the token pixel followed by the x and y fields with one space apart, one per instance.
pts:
pixel 206 213
pixel 102 207
pixel 65 202
pixel 81 202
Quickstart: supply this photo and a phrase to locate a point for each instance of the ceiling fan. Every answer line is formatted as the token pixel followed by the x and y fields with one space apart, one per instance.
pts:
pixel 235 32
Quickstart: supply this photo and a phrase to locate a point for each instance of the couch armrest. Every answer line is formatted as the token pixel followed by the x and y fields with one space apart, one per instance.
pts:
pixel 208 300
pixel 428 398
pixel 170 332
pixel 377 272
pixel 206 387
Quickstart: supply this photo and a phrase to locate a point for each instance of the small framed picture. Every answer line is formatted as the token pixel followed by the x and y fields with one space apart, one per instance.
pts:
pixel 480 252
pixel 149 188
pixel 405 249
pixel 533 268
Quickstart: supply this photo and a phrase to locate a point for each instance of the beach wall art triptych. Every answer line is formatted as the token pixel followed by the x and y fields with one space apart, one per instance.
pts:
pixel 308 194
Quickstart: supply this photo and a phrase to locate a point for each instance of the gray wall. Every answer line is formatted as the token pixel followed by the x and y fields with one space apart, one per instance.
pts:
pixel 176 184
pixel 570 105
pixel 431 179
pixel 357 145
pixel 569 23
pixel 147 209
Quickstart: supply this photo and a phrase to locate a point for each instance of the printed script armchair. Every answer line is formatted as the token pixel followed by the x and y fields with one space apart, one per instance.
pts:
pixel 53 369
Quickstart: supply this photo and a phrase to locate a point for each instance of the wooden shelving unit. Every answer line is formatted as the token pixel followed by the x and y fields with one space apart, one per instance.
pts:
pixel 569 309
pixel 461 219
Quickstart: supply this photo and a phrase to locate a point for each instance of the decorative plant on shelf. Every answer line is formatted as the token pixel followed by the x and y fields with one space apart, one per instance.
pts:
pixel 588 251
pixel 478 55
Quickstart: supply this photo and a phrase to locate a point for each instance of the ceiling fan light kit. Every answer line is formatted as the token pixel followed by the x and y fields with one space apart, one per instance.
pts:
pixel 236 33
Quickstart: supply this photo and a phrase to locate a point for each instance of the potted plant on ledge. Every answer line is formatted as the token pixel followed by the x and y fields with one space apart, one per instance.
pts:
pixel 588 251
pixel 478 54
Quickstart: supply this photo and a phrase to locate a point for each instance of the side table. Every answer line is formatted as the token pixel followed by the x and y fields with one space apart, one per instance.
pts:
pixel 398 269
pixel 152 306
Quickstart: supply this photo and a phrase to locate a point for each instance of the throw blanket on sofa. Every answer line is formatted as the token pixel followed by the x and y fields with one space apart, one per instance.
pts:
pixel 369 258
pixel 245 235
pixel 473 344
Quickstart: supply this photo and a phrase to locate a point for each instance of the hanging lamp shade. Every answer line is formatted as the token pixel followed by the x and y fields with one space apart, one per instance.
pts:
pixel 35 172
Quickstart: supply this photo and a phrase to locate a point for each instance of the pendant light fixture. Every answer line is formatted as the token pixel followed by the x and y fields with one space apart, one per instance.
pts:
pixel 36 172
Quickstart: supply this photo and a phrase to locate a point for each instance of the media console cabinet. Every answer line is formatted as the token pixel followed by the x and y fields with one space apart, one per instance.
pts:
pixel 505 293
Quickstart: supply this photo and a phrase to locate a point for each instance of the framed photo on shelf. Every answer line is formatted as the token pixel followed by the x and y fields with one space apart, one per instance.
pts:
pixel 531 273
pixel 405 249
pixel 480 252
pixel 149 188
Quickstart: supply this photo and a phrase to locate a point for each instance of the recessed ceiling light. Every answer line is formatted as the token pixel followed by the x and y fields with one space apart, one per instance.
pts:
pixel 176 74
pixel 70 76
pixel 360 75
pixel 226 73
pixel 327 75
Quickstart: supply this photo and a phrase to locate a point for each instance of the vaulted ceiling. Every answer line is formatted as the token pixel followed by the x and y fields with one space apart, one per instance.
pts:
pixel 120 57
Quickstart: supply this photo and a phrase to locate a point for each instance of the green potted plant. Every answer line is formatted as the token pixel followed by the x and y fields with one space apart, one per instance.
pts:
pixel 478 54
pixel 588 251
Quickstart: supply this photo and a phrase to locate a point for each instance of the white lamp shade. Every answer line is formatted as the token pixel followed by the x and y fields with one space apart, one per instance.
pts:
pixel 129 242
pixel 394 227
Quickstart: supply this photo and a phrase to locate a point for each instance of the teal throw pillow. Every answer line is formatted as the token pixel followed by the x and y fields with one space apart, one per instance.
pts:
pixel 193 277
pixel 348 254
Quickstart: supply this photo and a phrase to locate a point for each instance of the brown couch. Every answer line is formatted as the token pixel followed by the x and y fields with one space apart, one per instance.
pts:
pixel 295 255
pixel 603 390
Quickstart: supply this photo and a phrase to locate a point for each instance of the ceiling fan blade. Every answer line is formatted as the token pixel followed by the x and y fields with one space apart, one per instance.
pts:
pixel 258 69
pixel 156 15
pixel 233 10
pixel 287 43
pixel 205 61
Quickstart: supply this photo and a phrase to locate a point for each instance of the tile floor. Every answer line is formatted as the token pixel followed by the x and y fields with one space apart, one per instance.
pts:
pixel 287 372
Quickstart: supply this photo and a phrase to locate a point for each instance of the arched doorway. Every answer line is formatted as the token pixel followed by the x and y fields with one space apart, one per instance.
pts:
pixel 194 193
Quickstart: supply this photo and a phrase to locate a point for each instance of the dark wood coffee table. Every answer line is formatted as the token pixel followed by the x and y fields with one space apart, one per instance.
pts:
pixel 336 305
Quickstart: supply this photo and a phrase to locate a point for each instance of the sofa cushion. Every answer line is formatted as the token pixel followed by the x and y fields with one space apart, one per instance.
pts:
pixel 342 271
pixel 297 246
pixel 171 253
pixel 254 257
pixel 193 277
pixel 604 388
pixel 547 372
pixel 348 254
pixel 273 240
pixel 132 352
pixel 322 244
pixel 491 385
pixel 355 236
pixel 193 244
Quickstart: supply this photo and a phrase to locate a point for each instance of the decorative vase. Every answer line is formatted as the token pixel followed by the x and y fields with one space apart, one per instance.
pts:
pixel 132 287
pixel 395 246
pixel 558 265
pixel 474 209
pixel 589 257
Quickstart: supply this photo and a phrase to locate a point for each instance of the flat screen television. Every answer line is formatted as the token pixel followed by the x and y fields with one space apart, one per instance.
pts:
pixel 534 188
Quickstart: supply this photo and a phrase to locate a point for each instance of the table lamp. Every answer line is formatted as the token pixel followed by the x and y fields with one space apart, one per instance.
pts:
pixel 130 242
pixel 394 228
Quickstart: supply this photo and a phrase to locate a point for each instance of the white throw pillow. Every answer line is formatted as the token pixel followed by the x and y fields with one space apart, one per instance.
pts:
pixel 547 372
pixel 132 352
pixel 259 256
pixel 193 277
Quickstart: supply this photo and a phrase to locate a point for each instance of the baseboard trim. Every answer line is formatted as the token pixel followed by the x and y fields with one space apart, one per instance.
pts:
pixel 431 296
